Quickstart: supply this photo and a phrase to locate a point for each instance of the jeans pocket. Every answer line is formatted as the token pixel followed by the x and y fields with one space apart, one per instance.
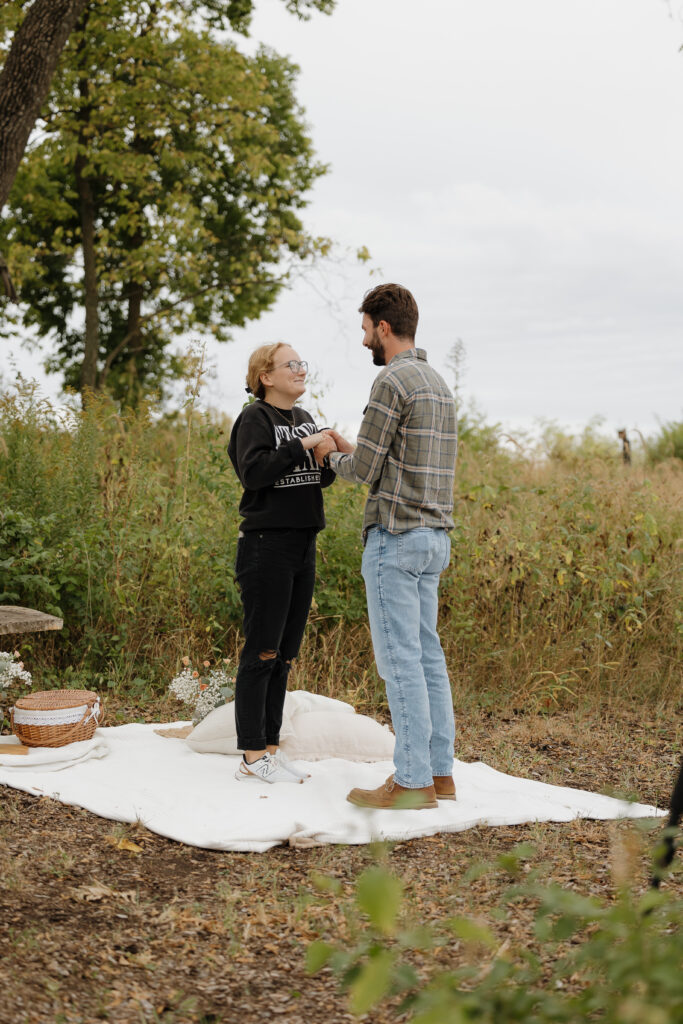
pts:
pixel 414 550
pixel 447 555
pixel 373 552
pixel 248 555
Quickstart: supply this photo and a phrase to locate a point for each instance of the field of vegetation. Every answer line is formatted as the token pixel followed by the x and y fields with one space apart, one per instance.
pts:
pixel 563 584
pixel 561 621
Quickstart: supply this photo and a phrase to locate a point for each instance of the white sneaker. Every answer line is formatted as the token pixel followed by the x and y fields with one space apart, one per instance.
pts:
pixel 285 763
pixel 266 769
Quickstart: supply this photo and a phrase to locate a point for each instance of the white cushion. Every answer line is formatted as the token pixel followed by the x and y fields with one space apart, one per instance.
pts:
pixel 298 701
pixel 322 734
pixel 215 734
pixel 332 730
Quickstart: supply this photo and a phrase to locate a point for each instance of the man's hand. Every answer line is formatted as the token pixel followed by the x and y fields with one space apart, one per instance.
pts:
pixel 324 447
pixel 343 446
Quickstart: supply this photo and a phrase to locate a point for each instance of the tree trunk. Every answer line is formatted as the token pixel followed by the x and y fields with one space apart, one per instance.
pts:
pixel 25 78
pixel 24 85
pixel 135 295
pixel 92 318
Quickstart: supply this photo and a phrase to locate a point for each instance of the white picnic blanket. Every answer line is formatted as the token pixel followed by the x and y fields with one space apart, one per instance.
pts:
pixel 129 773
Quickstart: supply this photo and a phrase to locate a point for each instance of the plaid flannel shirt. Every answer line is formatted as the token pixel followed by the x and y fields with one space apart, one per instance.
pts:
pixel 406 449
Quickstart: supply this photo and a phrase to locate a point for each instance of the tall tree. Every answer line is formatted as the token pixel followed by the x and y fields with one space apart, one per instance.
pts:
pixel 161 197
pixel 38 36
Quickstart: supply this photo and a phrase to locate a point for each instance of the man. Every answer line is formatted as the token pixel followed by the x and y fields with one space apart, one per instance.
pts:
pixel 406 452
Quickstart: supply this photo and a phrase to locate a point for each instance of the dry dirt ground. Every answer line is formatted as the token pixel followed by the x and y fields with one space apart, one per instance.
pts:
pixel 102 921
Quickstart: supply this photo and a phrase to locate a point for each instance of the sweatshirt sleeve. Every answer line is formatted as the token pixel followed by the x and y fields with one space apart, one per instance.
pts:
pixel 327 477
pixel 257 461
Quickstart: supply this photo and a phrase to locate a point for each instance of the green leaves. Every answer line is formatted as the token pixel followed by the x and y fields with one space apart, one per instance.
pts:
pixel 623 964
pixel 369 970
pixel 379 896
pixel 373 981
pixel 318 955
pixel 472 932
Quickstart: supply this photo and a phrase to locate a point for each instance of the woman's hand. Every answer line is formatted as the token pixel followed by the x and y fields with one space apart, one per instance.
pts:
pixel 312 440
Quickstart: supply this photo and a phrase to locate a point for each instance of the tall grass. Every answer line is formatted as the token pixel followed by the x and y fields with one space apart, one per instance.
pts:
pixel 562 582
pixel 564 579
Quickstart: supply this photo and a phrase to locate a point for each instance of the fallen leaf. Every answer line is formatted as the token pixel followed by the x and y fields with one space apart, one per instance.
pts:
pixel 126 844
pixel 93 893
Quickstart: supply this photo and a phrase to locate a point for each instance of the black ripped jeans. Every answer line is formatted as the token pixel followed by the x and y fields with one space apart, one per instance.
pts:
pixel 275 570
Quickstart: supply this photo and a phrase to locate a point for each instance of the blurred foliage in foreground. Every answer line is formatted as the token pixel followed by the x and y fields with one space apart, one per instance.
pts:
pixel 563 579
pixel 616 961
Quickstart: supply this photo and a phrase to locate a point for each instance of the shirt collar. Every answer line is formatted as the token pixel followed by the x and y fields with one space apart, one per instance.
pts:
pixel 410 353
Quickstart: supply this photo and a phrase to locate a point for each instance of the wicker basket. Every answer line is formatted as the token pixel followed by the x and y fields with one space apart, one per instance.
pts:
pixel 53 718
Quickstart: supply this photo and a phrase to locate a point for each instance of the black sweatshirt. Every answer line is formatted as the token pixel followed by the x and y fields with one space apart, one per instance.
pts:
pixel 282 481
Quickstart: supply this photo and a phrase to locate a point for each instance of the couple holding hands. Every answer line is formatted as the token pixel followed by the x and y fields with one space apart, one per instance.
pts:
pixel 405 452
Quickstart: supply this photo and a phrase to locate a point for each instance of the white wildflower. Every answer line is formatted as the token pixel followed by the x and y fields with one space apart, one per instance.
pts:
pixel 202 693
pixel 12 671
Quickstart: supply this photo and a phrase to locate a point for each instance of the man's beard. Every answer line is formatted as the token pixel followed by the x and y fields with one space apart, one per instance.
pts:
pixel 377 349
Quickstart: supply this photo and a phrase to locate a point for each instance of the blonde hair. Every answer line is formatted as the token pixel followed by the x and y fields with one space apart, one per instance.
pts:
pixel 261 360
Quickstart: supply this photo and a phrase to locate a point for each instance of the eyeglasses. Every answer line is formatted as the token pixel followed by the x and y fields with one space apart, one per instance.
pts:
pixel 294 365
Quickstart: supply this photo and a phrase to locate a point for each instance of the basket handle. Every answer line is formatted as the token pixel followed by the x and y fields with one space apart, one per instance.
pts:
pixel 93 712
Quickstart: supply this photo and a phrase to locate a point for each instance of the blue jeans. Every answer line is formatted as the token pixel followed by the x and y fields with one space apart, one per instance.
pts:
pixel 401 573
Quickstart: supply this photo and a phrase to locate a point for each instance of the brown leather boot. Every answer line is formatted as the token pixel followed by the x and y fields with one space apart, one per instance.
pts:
pixel 392 797
pixel 444 787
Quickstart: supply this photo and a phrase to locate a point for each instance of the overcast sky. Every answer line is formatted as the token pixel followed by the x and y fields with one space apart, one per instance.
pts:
pixel 518 164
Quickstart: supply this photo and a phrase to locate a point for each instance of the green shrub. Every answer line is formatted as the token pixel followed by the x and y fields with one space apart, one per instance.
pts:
pixel 559 445
pixel 668 444
pixel 615 961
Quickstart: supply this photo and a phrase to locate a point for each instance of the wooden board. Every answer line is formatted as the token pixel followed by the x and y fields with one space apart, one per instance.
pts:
pixel 15 619
pixel 13 748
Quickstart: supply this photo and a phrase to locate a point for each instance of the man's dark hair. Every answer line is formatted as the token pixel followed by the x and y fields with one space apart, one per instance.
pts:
pixel 395 304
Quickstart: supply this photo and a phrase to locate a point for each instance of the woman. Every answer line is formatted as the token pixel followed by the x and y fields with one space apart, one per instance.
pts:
pixel 271 447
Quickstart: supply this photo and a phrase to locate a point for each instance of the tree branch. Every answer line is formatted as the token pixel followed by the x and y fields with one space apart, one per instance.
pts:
pixel 146 317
